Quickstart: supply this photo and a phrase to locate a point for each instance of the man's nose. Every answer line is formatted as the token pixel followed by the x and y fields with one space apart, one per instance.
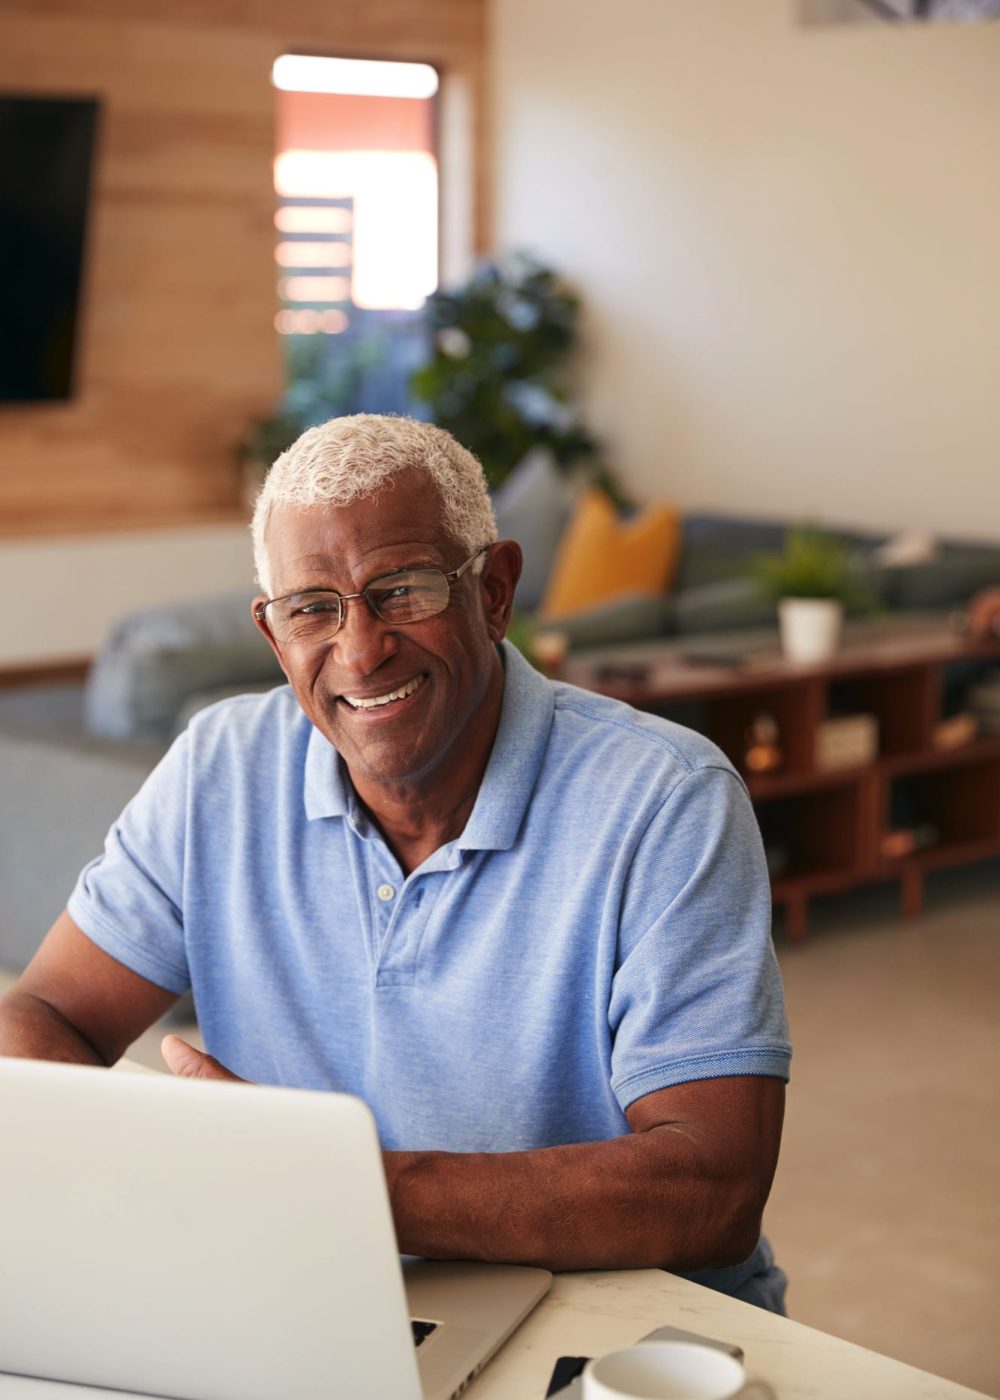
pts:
pixel 363 640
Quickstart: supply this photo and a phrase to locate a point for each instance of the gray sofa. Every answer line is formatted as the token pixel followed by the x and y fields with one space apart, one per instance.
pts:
pixel 72 755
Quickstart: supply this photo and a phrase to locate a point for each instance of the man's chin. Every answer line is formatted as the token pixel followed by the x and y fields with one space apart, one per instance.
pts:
pixel 383 759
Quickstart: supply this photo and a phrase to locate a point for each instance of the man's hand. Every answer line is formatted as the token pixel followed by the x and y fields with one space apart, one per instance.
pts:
pixel 188 1063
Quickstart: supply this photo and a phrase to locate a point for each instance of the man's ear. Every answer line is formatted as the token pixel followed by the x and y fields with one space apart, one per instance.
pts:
pixel 498 581
pixel 257 612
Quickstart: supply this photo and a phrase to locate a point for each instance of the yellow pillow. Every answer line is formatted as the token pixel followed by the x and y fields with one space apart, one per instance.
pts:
pixel 601 557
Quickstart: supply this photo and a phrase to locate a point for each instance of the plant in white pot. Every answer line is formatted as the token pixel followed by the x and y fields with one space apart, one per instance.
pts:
pixel 812 581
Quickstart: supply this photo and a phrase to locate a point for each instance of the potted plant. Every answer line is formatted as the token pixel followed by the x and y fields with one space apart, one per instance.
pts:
pixel 321 384
pixel 498 374
pixel 812 581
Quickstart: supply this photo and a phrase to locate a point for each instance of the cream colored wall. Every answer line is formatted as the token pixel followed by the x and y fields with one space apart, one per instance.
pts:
pixel 62 595
pixel 788 242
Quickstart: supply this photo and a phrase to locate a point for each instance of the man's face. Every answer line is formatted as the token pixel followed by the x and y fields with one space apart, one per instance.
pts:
pixel 447 664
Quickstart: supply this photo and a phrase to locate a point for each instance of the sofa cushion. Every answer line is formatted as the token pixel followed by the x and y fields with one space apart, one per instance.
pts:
pixel 722 606
pixel 154 659
pixel 633 617
pixel 532 507
pixel 717 547
pixel 602 557
pixel 947 581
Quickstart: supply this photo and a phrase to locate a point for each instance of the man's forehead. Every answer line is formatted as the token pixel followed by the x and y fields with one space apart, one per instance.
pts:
pixel 365 534
pixel 410 495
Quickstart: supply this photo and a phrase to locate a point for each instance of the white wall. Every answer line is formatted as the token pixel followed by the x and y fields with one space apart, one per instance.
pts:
pixel 62 594
pixel 787 239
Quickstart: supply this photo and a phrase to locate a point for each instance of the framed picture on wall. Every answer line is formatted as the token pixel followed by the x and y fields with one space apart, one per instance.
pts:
pixel 896 11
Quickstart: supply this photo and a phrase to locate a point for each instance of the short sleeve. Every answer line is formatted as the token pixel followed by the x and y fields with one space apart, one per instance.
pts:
pixel 129 900
pixel 697 993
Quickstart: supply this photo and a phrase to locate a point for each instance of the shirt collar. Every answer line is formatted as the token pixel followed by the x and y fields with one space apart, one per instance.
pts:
pixel 523 732
pixel 328 791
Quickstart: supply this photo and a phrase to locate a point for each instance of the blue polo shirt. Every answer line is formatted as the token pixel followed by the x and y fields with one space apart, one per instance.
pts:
pixel 599 930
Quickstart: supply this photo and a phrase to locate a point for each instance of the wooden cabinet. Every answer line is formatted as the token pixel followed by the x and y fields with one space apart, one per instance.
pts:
pixel 826 829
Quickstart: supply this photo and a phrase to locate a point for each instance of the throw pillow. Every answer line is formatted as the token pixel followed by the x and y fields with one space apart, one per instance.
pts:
pixel 156 658
pixel 602 557
pixel 532 507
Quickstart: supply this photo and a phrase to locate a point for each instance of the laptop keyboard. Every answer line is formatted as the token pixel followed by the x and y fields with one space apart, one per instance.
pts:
pixel 421 1331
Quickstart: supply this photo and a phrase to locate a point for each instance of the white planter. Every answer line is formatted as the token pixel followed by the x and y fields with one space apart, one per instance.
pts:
pixel 810 628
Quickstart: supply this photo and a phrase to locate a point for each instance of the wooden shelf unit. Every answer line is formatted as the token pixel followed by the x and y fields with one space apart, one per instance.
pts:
pixel 831 823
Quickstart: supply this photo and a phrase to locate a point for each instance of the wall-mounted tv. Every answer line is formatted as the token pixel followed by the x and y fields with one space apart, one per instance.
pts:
pixel 46 154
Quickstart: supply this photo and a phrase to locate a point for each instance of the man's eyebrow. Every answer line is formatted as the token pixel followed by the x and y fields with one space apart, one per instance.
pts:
pixel 425 563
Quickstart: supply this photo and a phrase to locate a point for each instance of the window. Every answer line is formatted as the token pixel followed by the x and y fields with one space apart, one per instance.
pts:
pixel 356 179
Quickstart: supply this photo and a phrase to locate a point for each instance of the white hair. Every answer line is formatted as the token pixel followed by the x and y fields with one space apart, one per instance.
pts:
pixel 354 457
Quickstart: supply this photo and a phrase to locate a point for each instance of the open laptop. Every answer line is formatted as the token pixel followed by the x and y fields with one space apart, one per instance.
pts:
pixel 215 1241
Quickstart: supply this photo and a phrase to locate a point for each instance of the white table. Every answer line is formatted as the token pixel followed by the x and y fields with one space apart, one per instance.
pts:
pixel 586 1314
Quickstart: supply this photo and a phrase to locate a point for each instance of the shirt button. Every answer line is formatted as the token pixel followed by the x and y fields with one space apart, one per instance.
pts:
pixel 385 893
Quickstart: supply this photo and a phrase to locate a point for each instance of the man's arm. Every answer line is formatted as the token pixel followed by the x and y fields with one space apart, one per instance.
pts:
pixel 685 1190
pixel 73 1002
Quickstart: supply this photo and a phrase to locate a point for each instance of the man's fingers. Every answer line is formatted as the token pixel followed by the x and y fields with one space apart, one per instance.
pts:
pixel 188 1063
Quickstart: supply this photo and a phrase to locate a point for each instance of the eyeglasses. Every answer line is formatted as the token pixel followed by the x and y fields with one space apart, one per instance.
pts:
pixel 316 614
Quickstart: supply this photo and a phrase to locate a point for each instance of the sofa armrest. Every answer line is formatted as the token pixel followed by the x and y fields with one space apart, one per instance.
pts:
pixel 61 795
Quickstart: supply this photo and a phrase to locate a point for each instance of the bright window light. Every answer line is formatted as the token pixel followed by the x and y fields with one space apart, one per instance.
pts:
pixel 321 289
pixel 293 218
pixel 302 254
pixel 395 197
pixel 358 77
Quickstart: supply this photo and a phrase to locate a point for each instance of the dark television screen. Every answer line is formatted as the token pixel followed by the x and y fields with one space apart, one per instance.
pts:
pixel 46 148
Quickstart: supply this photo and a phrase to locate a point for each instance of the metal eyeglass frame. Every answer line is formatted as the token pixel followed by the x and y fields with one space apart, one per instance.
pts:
pixel 452 576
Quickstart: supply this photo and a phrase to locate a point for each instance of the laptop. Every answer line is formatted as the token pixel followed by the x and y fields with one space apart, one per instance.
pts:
pixel 215 1241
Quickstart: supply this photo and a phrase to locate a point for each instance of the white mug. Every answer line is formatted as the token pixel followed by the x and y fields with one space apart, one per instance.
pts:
pixel 667 1371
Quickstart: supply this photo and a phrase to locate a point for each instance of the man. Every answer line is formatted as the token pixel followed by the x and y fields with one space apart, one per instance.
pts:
pixel 527 924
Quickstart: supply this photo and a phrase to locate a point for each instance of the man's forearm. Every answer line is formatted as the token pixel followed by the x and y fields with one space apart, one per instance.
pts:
pixel 31 1029
pixel 646 1200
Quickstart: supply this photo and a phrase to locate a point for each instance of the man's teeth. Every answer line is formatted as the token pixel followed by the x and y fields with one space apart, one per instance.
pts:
pixel 400 694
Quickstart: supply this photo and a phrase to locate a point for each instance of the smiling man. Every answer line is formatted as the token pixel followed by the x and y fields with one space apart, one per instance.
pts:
pixel 528 925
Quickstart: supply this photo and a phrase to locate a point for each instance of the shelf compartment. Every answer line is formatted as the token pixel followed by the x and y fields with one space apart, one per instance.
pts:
pixel 795 709
pixel 959 677
pixel 905 703
pixel 962 802
pixel 820 831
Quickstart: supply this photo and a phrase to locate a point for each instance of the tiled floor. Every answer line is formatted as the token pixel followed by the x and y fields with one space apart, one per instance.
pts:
pixel 886 1208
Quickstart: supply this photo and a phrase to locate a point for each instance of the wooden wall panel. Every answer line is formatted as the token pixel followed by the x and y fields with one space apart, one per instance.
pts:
pixel 177 348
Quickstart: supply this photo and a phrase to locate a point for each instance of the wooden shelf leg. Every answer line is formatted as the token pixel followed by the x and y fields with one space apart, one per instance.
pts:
pixel 912 892
pixel 797 919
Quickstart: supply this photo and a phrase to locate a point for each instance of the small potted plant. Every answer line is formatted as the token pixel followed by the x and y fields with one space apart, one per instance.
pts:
pixel 812 581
